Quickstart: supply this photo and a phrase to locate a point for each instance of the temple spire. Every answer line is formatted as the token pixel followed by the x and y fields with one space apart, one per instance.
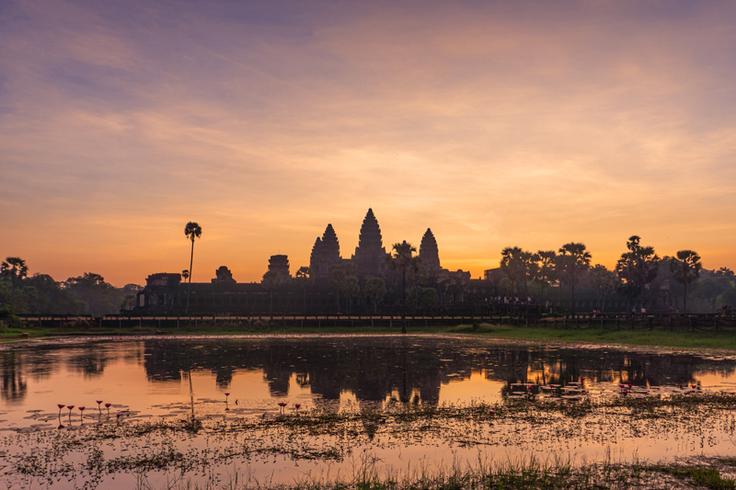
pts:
pixel 370 233
pixel 429 255
pixel 316 251
pixel 370 256
pixel 330 244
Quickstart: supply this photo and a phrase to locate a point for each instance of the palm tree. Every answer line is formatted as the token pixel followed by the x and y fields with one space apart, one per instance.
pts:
pixel 403 258
pixel 192 231
pixel 350 288
pixel 374 290
pixel 573 259
pixel 546 276
pixel 636 269
pixel 185 274
pixel 15 268
pixel 302 275
pixel 604 283
pixel 520 267
pixel 685 267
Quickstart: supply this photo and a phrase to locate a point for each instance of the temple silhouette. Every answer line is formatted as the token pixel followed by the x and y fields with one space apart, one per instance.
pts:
pixel 367 282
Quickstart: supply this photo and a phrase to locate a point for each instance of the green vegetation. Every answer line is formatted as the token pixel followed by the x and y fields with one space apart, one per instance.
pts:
pixel 40 293
pixel 527 475
pixel 702 476
pixel 146 446
pixel 325 434
pixel 656 337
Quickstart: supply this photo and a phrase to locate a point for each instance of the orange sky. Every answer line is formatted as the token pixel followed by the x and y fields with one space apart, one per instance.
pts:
pixel 529 124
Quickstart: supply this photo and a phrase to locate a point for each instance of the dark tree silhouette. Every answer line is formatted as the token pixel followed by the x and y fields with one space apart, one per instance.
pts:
pixel 604 283
pixel 546 274
pixel 14 268
pixel 374 290
pixel 302 275
pixel 685 268
pixel 94 294
pixel 573 259
pixel 520 267
pixel 192 231
pixel 636 269
pixel 403 259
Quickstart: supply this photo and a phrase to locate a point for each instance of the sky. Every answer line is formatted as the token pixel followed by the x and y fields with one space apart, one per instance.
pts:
pixel 529 123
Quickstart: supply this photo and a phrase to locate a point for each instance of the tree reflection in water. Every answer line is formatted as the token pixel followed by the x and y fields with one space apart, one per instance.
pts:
pixel 373 368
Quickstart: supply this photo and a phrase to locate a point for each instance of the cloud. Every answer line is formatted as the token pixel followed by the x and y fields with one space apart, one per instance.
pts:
pixel 495 124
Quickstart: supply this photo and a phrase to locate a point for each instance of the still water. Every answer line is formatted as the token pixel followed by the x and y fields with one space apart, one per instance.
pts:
pixel 152 379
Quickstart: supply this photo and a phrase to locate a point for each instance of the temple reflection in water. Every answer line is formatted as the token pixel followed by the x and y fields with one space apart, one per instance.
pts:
pixel 370 368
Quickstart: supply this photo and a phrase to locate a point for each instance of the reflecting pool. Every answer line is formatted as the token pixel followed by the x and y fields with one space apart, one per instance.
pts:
pixel 253 396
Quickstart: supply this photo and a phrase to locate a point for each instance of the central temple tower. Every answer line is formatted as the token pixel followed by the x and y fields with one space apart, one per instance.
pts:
pixel 370 257
pixel 429 255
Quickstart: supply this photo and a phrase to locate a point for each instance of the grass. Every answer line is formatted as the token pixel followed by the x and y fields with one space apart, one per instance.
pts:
pixel 656 337
pixel 325 436
pixel 11 334
pixel 702 476
pixel 659 337
pixel 529 474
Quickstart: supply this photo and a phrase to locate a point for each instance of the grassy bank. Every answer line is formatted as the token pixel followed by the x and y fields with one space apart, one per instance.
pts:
pixel 656 337
pixel 526 475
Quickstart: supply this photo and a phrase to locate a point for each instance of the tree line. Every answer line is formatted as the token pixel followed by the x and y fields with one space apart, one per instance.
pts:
pixel 88 294
pixel 562 280
pixel 640 280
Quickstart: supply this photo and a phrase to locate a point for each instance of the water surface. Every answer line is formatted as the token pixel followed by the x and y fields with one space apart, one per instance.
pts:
pixel 149 379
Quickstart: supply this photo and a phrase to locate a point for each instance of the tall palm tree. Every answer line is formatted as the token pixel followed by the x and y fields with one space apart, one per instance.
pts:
pixel 637 268
pixel 303 275
pixel 573 259
pixel 192 231
pixel 546 276
pixel 685 267
pixel 520 267
pixel 403 258
pixel 15 268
